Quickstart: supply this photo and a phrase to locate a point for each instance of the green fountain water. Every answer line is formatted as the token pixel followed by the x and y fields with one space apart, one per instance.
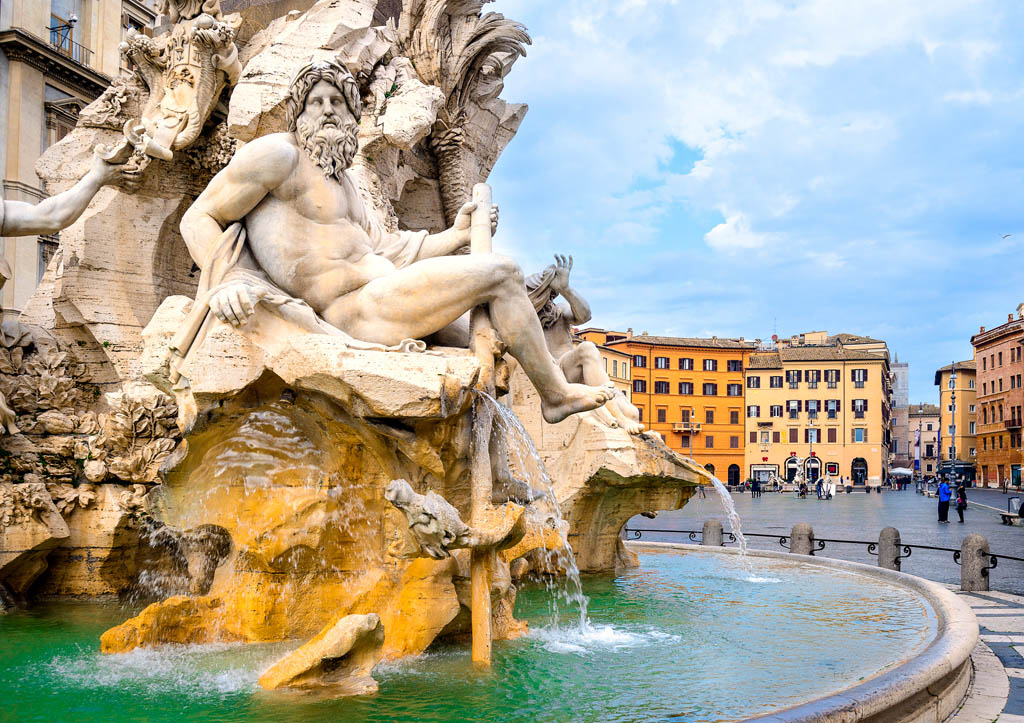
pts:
pixel 685 635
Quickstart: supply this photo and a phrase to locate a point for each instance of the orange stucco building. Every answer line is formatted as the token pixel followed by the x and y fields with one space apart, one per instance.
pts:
pixel 691 391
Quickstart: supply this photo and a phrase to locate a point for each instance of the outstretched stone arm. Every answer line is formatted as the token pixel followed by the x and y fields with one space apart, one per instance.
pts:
pixel 451 240
pixel 60 211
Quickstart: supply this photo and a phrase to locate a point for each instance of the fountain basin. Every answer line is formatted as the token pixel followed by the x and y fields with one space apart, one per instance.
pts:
pixel 687 636
pixel 926 687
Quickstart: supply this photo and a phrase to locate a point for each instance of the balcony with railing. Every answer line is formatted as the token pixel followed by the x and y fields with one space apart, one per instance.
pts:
pixel 1012 423
pixel 686 427
pixel 60 33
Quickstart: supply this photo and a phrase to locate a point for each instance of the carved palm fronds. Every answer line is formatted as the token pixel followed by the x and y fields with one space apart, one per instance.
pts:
pixel 467 55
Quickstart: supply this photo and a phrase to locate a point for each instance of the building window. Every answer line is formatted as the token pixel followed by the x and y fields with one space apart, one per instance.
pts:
pixel 812 408
pixel 832 435
pixel 793 433
pixel 640 411
pixel 709 442
pixel 686 387
pixel 775 411
pixel 984 364
pixel 775 382
pixel 709 416
pixel 734 365
pixel 813 377
pixel 753 437
pixel 929 450
pixel 711 365
pixel 860 377
pixel 710 390
pixel 734 442
pixel 661 414
pixel 639 386
pixel 776 437
pixel 973 427
pixel 859 434
pixel 661 362
pixel 734 417
pixel 812 436
pixel 972 409
pixel 753 382
pixel 753 411
pixel 661 388
pixel 793 407
pixel 1000 384
pixel 793 378
pixel 48 246
pixel 928 427
pixel 734 390
pixel 832 408
pixel 615 367
pixel 970 384
pixel 639 360
pixel 685 442
pixel 860 406
pixel 686 364
pixel 684 414
pixel 1000 358
pixel 832 378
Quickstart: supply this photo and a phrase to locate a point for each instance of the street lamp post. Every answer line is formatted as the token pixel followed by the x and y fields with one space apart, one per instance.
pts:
pixel 952 427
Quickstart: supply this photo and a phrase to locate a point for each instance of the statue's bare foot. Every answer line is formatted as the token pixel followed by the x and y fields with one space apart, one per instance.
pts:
pixel 577 398
pixel 606 416
pixel 632 427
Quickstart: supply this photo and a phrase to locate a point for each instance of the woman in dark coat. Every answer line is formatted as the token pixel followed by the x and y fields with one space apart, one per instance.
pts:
pixel 961 500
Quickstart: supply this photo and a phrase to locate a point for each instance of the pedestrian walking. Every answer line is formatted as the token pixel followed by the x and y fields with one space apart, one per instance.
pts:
pixel 944 495
pixel 961 500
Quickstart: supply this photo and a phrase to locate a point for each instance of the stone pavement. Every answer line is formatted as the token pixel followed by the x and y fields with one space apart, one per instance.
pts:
pixel 997 688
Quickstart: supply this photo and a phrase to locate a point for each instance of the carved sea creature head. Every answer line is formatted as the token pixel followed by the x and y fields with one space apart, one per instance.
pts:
pixel 329 138
pixel 399 493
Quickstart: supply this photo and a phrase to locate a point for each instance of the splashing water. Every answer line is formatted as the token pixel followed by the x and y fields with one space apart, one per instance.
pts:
pixel 529 464
pixel 731 513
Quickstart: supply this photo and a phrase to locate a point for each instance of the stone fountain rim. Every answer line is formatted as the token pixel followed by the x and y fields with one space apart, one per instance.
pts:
pixel 881 695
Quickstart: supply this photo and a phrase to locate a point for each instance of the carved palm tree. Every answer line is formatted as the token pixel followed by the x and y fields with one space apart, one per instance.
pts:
pixel 467 55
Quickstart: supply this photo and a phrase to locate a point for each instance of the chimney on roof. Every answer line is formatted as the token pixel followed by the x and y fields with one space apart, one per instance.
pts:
pixel 629 332
pixel 1020 311
pixel 1009 318
pixel 741 338
pixel 643 333
pixel 982 330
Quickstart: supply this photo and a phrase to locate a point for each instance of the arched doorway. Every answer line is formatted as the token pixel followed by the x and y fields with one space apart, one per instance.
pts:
pixel 812 469
pixel 710 468
pixel 859 471
pixel 792 467
pixel 734 474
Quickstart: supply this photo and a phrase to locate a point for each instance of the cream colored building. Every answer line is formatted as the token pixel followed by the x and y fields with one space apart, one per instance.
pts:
pixel 959 429
pixel 816 402
pixel 56 56
pixel 924 419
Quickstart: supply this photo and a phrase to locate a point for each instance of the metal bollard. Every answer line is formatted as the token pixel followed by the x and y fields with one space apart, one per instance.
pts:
pixel 801 539
pixel 712 534
pixel 974 564
pixel 889 548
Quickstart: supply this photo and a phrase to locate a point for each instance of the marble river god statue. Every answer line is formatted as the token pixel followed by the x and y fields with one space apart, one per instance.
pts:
pixel 307 240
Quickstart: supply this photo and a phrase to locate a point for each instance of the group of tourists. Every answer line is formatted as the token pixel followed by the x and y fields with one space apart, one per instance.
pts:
pixel 946 494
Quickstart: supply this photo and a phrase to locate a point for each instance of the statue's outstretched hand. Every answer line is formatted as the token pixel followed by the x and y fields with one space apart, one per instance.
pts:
pixel 563 265
pixel 463 219
pixel 117 171
pixel 235 303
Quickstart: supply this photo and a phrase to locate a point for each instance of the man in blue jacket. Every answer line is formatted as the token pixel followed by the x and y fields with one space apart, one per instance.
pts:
pixel 944 495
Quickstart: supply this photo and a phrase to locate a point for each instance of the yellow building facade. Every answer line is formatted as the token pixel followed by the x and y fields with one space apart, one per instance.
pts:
pixel 824 407
pixel 959 428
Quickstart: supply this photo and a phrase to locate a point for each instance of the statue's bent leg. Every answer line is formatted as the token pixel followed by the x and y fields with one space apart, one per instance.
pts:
pixel 423 297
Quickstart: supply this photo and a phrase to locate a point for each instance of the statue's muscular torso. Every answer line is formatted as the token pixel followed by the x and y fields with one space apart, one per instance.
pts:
pixel 308 233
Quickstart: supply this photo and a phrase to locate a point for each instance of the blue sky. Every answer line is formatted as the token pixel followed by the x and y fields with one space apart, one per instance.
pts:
pixel 745 166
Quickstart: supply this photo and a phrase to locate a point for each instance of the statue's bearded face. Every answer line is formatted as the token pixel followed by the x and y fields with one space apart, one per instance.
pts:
pixel 327 130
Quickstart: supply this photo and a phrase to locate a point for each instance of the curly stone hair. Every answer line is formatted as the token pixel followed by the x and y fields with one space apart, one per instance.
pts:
pixel 335 73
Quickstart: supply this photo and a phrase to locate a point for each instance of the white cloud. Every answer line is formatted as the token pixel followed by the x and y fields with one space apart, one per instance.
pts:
pixel 735 233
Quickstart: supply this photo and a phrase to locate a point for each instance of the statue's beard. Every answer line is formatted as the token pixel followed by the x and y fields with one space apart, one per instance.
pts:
pixel 333 149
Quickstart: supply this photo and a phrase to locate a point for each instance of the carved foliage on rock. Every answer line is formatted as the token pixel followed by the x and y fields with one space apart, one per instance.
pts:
pixel 135 438
pixel 47 388
pixel 67 496
pixel 22 503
